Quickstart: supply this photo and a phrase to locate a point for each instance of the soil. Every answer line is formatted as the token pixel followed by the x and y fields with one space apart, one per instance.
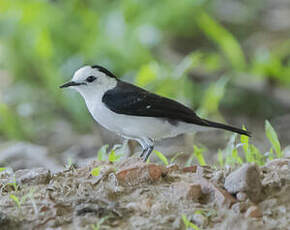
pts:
pixel 136 195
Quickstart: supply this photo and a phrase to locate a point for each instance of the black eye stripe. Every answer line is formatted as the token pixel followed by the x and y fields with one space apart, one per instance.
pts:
pixel 91 78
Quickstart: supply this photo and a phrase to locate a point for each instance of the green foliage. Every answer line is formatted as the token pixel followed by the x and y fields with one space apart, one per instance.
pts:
pixel 2 169
pixel 19 202
pixel 231 152
pixel 147 74
pixel 246 147
pixel 96 171
pixel 221 158
pixel 113 157
pixel 212 97
pixel 198 153
pixel 14 184
pixel 100 222
pixel 251 153
pixel 161 157
pixel 173 159
pixel 273 138
pixel 102 152
pixel 223 38
pixel 273 64
pixel 69 163
pixel 10 124
pixel 16 200
pixel 188 224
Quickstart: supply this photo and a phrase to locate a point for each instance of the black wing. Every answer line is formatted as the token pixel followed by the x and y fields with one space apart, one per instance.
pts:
pixel 129 99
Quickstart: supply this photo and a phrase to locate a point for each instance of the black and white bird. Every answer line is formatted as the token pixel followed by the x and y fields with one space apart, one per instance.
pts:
pixel 135 113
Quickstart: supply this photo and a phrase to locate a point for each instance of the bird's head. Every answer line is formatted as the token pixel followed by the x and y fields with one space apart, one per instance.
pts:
pixel 91 80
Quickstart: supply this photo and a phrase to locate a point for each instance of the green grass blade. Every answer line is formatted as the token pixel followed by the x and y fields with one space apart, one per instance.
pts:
pixel 188 224
pixel 102 153
pixel 273 138
pixel 175 157
pixel 245 142
pixel 198 153
pixel 113 157
pixel 224 39
pixel 161 157
pixel 221 158
pixel 16 200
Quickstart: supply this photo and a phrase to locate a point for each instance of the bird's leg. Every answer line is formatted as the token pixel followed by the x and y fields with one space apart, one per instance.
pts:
pixel 148 152
pixel 148 145
pixel 143 152
pixel 144 147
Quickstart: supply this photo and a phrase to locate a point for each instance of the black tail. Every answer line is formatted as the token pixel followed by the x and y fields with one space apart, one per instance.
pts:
pixel 227 127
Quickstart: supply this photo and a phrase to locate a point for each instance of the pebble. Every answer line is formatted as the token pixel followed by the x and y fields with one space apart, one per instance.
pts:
pixel 184 190
pixel 140 173
pixel 253 212
pixel 34 176
pixel 245 179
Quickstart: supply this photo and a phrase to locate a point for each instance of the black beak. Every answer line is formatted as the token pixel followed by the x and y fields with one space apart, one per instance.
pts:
pixel 71 83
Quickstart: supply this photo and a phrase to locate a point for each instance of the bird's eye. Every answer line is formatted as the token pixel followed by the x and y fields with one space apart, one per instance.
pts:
pixel 91 78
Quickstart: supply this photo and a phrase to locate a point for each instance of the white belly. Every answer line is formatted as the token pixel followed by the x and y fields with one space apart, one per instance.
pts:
pixel 136 126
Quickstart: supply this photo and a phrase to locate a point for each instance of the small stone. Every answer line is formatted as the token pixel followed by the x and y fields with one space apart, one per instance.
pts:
pixel 186 190
pixel 140 173
pixel 200 219
pixel 239 207
pixel 172 168
pixel 191 169
pixel 204 171
pixel 245 179
pixel 241 196
pixel 32 176
pixel 218 177
pixel 220 196
pixel 253 212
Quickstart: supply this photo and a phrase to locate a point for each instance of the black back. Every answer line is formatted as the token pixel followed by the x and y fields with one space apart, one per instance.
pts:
pixel 129 99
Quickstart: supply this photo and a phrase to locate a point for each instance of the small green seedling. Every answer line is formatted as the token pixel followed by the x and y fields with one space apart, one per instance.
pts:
pixel 100 222
pixel 113 157
pixel 175 157
pixel 246 147
pixel 102 152
pixel 198 153
pixel 161 157
pixel 232 156
pixel 221 158
pixel 252 154
pixel 96 171
pixel 16 200
pixel 14 184
pixel 19 202
pixel 188 224
pixel 273 138
pixel 69 163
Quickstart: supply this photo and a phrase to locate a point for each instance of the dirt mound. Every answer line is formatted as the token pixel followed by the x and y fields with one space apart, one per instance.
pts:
pixel 135 195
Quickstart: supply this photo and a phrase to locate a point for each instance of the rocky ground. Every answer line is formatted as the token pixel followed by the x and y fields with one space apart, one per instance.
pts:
pixel 135 195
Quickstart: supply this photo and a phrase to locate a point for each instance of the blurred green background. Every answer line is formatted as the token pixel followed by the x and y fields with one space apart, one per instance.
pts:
pixel 229 60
